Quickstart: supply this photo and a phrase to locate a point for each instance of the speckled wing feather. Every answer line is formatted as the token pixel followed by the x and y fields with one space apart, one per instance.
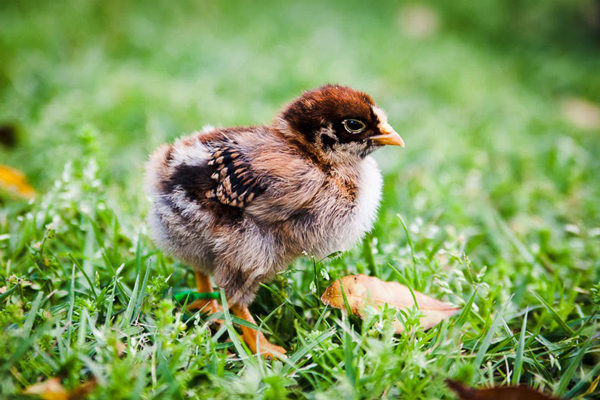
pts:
pixel 236 185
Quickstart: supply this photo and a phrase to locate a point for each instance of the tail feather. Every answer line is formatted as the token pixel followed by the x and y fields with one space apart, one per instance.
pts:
pixel 158 169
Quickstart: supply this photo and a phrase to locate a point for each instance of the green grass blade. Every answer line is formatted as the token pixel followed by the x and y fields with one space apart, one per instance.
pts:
pixel 349 358
pixel 289 305
pixel 140 299
pixel 555 315
pixel 518 367
pixel 132 301
pixel 304 350
pixel 580 385
pixel 85 275
pixel 28 325
pixel 110 304
pixel 368 254
pixel 408 239
pixel 487 340
pixel 5 295
pixel 465 312
pixel 71 307
pixel 82 330
pixel 232 333
pixel 575 363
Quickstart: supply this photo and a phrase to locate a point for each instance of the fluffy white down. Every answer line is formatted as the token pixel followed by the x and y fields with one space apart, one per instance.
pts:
pixel 347 233
pixel 369 195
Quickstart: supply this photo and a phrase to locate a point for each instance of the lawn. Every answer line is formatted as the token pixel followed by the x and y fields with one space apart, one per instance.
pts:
pixel 493 206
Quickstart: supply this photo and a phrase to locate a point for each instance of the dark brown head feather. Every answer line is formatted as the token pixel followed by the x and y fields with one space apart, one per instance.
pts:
pixel 329 103
pixel 326 108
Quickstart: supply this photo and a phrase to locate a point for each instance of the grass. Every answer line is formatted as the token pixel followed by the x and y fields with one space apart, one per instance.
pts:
pixel 493 206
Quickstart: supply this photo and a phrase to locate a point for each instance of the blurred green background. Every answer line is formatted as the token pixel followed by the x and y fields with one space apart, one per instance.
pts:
pixel 481 83
pixel 498 102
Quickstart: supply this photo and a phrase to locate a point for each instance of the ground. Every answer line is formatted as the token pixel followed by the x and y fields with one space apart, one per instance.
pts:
pixel 494 205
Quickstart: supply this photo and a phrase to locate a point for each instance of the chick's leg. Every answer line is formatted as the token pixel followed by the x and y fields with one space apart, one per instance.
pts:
pixel 266 348
pixel 204 286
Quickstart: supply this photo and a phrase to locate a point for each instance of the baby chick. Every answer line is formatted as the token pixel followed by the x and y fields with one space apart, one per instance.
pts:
pixel 242 203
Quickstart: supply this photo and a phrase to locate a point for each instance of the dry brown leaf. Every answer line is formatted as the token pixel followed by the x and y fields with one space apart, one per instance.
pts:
pixel 15 182
pixel 362 291
pixel 498 393
pixel 84 390
pixel 52 389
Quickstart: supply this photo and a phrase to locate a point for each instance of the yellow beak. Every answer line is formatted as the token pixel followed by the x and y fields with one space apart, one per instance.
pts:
pixel 388 136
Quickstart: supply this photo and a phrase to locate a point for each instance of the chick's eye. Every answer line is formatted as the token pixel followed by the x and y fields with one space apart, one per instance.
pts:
pixel 354 125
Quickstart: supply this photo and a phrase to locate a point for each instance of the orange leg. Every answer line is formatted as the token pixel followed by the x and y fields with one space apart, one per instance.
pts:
pixel 204 286
pixel 266 348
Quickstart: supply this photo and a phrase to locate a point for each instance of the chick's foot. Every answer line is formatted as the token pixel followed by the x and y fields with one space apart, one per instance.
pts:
pixel 256 341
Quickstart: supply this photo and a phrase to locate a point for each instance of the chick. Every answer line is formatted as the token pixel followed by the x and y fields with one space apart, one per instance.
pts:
pixel 242 203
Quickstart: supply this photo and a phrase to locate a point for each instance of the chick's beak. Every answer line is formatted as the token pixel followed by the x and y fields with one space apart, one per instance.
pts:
pixel 388 136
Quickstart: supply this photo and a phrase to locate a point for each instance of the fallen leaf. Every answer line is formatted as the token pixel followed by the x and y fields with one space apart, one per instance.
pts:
pixel 52 389
pixel 362 291
pixel 15 182
pixel 497 393
pixel 84 390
